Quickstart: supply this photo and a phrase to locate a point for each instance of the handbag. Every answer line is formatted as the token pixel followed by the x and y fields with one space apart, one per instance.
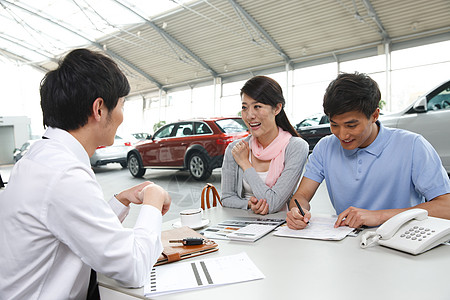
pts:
pixel 205 196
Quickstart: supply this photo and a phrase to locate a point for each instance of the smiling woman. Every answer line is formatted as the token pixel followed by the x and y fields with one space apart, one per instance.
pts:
pixel 261 171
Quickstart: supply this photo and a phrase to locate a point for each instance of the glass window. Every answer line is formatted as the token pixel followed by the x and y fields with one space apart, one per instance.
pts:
pixel 441 100
pixel 166 131
pixel 25 146
pixel 366 65
pixel 231 125
pixel 184 129
pixel 311 121
pixel 201 128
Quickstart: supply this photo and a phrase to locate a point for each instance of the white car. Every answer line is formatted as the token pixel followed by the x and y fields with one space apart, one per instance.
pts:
pixel 429 116
pixel 116 153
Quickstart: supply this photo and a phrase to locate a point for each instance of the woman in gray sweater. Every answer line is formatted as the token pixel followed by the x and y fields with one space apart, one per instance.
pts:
pixel 262 171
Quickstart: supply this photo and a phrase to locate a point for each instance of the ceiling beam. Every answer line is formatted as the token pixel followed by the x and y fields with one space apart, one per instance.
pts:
pixel 261 30
pixel 26 46
pixel 166 35
pixel 98 45
pixel 372 14
pixel 16 57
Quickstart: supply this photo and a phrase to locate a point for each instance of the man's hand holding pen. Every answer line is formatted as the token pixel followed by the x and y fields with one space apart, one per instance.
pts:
pixel 298 217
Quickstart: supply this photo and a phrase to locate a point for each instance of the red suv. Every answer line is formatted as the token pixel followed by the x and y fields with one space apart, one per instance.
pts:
pixel 196 145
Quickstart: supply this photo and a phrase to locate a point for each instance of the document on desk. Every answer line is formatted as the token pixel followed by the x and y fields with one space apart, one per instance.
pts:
pixel 320 227
pixel 227 228
pixel 184 276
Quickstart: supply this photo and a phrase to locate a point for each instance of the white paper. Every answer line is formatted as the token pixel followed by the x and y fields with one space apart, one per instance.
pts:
pixel 319 227
pixel 251 232
pixel 180 276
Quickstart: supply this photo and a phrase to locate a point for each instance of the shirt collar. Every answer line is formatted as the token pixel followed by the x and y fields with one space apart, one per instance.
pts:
pixel 69 141
pixel 377 146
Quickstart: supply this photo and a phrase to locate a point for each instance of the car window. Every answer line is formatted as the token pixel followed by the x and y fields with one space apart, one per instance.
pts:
pixel 184 129
pixel 231 125
pixel 440 101
pixel 165 132
pixel 201 128
pixel 311 121
pixel 24 146
pixel 324 120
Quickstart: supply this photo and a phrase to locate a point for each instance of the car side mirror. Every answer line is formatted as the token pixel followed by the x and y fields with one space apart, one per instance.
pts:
pixel 421 105
pixel 149 137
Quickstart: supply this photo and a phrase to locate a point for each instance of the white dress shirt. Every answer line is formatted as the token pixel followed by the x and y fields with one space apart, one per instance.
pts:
pixel 55 226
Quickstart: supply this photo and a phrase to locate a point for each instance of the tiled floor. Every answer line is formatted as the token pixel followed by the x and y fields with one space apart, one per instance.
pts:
pixel 184 190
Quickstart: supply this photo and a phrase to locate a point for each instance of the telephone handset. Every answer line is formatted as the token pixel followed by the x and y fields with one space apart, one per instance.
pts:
pixel 411 231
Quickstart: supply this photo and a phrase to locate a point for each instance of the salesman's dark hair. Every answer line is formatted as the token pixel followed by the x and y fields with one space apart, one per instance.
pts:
pixel 267 91
pixel 67 93
pixel 351 92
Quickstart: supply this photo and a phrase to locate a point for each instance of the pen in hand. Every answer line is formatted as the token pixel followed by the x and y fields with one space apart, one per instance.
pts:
pixel 300 209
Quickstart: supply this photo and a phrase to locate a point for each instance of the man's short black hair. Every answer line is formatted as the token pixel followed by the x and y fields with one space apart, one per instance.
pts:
pixel 351 92
pixel 67 93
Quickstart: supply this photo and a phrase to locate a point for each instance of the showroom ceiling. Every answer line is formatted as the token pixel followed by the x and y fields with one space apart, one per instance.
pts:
pixel 196 41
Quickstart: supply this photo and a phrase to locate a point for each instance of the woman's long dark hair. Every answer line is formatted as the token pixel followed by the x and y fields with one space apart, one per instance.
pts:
pixel 265 90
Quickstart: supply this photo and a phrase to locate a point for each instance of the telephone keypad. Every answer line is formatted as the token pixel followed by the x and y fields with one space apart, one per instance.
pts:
pixel 417 233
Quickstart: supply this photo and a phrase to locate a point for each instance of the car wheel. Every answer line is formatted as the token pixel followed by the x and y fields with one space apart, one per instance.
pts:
pixel 198 167
pixel 134 166
pixel 124 164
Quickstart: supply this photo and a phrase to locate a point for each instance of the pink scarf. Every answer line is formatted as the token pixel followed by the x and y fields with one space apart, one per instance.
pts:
pixel 274 152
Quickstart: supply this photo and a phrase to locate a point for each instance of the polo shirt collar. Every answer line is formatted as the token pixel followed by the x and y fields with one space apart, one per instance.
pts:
pixel 377 146
pixel 69 141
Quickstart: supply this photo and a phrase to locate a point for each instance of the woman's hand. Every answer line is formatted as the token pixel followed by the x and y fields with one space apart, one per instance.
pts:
pixel 240 153
pixel 260 206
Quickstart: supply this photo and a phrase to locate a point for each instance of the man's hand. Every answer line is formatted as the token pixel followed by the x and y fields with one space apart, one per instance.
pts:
pixel 156 196
pixel 356 217
pixel 295 220
pixel 131 195
pixel 258 206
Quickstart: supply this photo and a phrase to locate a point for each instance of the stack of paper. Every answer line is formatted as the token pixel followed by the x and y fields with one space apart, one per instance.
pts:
pixel 224 228
pixel 320 227
pixel 251 232
pixel 183 276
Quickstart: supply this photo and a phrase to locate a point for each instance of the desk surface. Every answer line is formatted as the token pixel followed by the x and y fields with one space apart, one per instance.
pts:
pixel 321 269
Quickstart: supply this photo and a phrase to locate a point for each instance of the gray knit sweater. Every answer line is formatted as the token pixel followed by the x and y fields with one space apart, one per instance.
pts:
pixel 276 196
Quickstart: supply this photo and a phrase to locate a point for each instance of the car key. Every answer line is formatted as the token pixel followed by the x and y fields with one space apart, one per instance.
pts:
pixel 189 241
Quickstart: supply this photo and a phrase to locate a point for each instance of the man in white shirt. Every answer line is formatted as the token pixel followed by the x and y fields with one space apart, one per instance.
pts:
pixel 54 223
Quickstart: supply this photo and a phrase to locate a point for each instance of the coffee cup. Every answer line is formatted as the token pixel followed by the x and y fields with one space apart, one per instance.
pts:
pixel 191 217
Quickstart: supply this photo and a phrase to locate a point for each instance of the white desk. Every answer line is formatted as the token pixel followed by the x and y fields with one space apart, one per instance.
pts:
pixel 313 269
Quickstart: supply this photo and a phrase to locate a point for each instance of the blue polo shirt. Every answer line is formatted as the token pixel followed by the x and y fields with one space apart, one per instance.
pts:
pixel 399 169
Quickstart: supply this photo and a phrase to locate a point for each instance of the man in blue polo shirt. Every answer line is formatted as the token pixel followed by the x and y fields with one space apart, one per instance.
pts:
pixel 372 172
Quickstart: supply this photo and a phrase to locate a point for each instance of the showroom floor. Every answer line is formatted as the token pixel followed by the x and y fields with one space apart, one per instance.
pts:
pixel 183 189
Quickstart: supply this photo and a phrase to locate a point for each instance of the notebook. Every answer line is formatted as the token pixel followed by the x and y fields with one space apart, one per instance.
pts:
pixel 200 274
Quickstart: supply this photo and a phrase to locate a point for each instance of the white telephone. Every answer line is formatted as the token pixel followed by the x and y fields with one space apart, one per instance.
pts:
pixel 411 231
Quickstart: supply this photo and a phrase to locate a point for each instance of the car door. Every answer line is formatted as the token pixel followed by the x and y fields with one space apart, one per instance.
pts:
pixel 155 152
pixel 433 123
pixel 176 145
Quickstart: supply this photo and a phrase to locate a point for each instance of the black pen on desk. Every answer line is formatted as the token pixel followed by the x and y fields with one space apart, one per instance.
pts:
pixel 300 209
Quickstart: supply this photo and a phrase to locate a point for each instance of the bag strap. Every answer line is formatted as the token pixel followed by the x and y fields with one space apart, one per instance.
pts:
pixel 216 198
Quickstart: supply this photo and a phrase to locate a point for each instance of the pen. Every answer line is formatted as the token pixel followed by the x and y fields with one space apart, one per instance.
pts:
pixel 300 208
